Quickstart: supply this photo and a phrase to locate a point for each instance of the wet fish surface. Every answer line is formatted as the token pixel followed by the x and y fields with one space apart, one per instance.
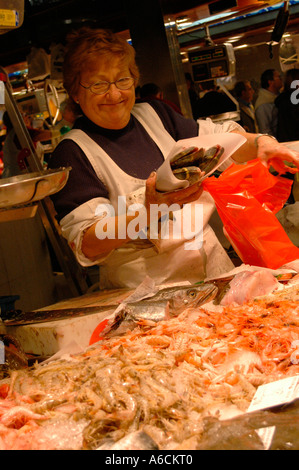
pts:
pixel 18 317
pixel 182 297
pixel 166 303
pixel 240 432
pixel 247 285
pixel 130 314
pixel 190 173
pixel 184 164
pixel 191 155
pixel 138 440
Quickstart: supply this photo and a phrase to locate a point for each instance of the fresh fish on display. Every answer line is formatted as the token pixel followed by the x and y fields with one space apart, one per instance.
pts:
pixel 137 440
pixel 166 303
pixel 186 382
pixel 18 317
pixel 240 432
pixel 182 297
pixel 129 315
pixel 247 285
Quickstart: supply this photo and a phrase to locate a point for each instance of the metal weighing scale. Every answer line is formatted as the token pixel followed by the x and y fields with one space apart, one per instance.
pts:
pixel 218 63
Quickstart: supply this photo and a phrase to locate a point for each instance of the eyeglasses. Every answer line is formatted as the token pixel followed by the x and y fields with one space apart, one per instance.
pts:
pixel 102 87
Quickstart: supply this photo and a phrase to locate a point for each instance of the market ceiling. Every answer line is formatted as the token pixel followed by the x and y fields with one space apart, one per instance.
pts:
pixel 49 21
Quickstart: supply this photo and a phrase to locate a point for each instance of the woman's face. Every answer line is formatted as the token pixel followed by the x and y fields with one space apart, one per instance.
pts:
pixel 112 109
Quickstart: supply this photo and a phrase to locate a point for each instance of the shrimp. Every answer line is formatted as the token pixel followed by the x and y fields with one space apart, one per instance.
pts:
pixel 17 416
pixel 162 379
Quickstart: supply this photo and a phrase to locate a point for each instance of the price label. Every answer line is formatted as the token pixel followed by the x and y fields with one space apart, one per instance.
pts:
pixel 9 18
pixel 273 394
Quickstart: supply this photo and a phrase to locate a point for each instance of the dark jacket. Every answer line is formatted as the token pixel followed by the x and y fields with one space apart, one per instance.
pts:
pixel 288 118
pixel 214 102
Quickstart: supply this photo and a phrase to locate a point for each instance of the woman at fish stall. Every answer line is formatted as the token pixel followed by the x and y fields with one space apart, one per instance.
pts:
pixel 114 149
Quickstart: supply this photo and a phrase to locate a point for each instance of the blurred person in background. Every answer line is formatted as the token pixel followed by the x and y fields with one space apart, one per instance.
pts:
pixel 152 91
pixel 213 101
pixel 265 109
pixel 244 92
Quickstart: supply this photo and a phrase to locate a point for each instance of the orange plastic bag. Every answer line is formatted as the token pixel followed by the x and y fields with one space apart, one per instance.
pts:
pixel 247 198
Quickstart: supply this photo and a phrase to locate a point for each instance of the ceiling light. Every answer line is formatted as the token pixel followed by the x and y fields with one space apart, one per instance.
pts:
pixel 169 23
pixel 194 47
pixel 209 19
pixel 232 40
pixel 182 19
pixel 236 37
pixel 242 46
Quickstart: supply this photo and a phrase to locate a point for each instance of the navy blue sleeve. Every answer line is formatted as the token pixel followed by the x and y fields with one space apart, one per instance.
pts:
pixel 176 124
pixel 83 183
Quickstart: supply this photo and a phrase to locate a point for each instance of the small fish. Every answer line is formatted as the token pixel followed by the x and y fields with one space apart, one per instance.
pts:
pixel 190 173
pixel 163 305
pixel 205 160
pixel 138 440
pixel 211 158
pixel 187 157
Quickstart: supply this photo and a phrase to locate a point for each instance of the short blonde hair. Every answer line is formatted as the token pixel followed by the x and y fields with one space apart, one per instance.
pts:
pixel 85 46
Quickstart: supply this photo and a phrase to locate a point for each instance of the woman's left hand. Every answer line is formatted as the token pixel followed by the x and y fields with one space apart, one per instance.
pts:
pixel 180 197
pixel 273 153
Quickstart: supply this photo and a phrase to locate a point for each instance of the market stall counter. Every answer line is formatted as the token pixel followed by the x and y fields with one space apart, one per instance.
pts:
pixel 185 367
pixel 48 330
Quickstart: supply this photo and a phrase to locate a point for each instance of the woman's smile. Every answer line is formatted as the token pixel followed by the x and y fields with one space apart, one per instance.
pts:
pixel 112 109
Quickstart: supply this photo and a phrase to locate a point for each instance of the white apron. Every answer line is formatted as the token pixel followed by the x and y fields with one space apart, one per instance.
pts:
pixel 166 260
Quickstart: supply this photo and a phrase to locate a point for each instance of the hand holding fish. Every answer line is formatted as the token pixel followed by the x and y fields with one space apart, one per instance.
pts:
pixel 94 247
pixel 182 196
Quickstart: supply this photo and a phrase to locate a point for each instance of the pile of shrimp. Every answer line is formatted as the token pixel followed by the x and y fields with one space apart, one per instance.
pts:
pixel 164 379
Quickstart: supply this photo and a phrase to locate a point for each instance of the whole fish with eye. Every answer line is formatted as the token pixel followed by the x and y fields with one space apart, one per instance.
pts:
pixel 187 163
pixel 163 305
pixel 17 317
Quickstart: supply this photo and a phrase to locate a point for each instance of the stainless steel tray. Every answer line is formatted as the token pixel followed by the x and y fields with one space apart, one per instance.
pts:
pixel 27 188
